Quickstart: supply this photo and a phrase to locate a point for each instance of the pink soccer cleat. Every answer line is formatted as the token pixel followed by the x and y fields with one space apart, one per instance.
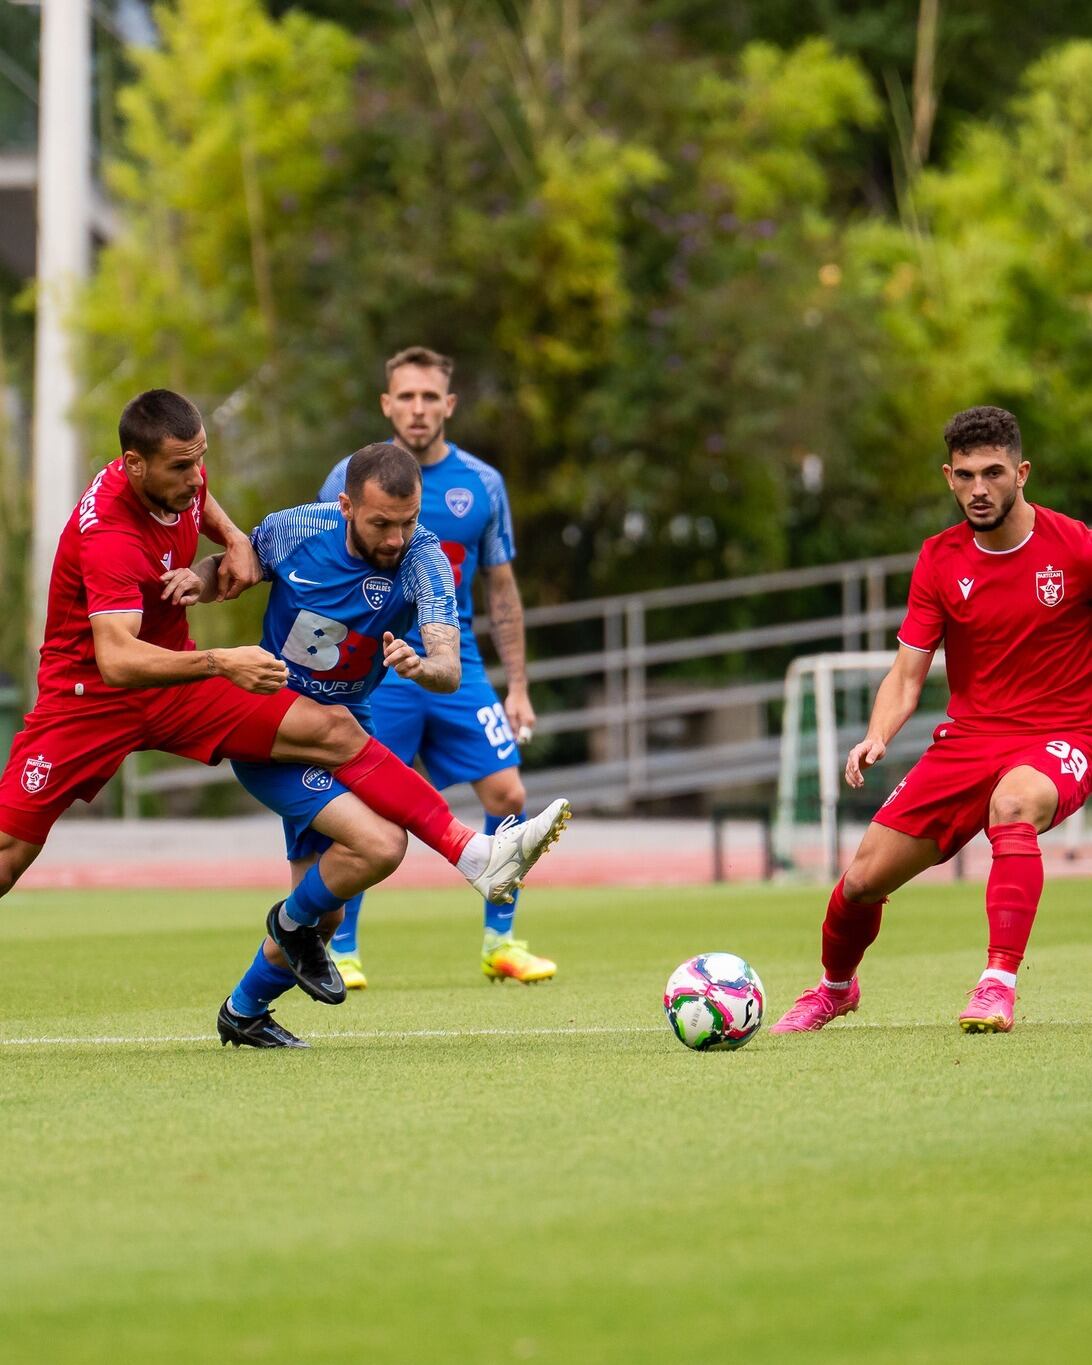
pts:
pixel 816 1008
pixel 990 1008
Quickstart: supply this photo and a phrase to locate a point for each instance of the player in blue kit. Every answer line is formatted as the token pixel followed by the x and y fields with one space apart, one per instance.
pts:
pixel 348 578
pixel 469 736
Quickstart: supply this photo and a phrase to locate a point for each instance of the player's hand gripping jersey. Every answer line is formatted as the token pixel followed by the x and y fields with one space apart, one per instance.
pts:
pixel 464 503
pixel 1016 625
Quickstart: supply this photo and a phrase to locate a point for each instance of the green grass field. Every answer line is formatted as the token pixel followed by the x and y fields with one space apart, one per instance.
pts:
pixel 465 1173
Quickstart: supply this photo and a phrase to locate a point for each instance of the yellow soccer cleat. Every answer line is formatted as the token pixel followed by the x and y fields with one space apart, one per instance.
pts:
pixel 510 958
pixel 352 973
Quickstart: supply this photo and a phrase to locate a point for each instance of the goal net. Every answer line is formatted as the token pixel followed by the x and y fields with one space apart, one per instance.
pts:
pixel 827 701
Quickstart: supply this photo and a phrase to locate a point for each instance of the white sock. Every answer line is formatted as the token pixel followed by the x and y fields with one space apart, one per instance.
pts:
pixel 996 974
pixel 474 859
pixel 837 985
pixel 287 923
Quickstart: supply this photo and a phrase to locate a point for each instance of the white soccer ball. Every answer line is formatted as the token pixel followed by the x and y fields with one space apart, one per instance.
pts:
pixel 714 1000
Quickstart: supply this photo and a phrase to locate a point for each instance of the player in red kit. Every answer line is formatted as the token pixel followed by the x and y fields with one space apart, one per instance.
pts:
pixel 119 673
pixel 1007 592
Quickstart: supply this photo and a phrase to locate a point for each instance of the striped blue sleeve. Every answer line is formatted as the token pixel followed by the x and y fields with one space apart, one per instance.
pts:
pixel 281 532
pixel 334 483
pixel 427 580
pixel 498 542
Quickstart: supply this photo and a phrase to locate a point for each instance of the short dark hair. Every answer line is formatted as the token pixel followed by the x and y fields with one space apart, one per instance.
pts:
pixel 395 470
pixel 420 355
pixel 151 417
pixel 985 426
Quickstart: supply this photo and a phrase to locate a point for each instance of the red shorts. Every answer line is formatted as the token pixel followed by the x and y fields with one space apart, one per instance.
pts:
pixel 71 746
pixel 946 795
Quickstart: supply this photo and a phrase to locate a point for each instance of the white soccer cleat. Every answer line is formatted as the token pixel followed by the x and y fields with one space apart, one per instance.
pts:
pixel 516 849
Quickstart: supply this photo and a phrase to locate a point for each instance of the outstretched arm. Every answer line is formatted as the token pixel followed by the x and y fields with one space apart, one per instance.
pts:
pixel 896 701
pixel 506 627
pixel 124 660
pixel 238 568
pixel 439 670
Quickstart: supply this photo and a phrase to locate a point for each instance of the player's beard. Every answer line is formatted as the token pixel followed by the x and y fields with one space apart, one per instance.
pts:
pixel 165 505
pixel 999 520
pixel 363 550
pixel 418 442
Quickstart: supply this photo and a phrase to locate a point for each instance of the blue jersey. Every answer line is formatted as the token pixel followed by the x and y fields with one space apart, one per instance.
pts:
pixel 464 502
pixel 328 610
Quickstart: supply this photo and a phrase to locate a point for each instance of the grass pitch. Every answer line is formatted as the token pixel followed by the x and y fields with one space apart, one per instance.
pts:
pixel 459 1172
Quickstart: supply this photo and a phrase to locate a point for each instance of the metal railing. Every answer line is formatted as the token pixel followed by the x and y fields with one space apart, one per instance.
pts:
pixel 623 702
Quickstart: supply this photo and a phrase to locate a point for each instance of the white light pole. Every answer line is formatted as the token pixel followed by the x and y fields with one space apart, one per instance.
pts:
pixel 64 231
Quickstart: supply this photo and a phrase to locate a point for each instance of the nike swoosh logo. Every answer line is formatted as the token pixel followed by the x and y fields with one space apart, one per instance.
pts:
pixel 506 751
pixel 312 582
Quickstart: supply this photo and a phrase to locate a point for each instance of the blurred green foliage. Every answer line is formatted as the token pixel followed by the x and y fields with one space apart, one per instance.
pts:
pixel 699 324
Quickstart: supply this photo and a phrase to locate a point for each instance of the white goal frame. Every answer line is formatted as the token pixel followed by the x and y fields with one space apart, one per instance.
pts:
pixel 822 669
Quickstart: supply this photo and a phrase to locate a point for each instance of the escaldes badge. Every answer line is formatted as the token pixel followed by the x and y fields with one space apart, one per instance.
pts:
pixel 459 500
pixel 376 591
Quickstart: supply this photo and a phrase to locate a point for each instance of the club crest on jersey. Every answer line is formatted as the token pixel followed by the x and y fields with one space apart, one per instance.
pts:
pixel 376 591
pixel 165 559
pixel 1050 586
pixel 317 780
pixel 459 500
pixel 36 774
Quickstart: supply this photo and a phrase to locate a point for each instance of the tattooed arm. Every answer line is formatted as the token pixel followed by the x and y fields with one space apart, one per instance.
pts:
pixel 506 628
pixel 439 670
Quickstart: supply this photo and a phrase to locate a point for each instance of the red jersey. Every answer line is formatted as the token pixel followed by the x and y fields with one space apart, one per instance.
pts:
pixel 1015 624
pixel 109 559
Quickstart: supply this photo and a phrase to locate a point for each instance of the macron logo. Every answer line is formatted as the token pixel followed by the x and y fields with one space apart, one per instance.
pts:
pixel 965 586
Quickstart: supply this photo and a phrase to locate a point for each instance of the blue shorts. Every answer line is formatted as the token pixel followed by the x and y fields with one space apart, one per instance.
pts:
pixel 297 794
pixel 461 736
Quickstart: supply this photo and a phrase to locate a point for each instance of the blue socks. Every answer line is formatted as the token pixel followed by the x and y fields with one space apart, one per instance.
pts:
pixel 261 983
pixel 311 899
pixel 498 918
pixel 344 940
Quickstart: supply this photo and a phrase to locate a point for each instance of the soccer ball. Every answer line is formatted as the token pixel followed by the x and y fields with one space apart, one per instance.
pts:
pixel 714 1000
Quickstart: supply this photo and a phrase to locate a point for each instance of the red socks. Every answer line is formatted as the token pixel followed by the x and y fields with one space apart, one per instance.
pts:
pixel 1012 892
pixel 399 794
pixel 847 931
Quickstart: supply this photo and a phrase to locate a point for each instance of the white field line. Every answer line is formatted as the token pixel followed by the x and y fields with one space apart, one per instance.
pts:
pixel 362 1033
pixel 380 1034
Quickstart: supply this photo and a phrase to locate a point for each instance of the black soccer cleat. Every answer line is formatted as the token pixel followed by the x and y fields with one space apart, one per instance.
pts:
pixel 307 959
pixel 254 1031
